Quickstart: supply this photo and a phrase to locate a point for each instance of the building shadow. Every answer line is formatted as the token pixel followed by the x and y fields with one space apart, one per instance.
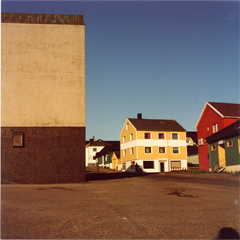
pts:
pixel 228 233
pixel 117 175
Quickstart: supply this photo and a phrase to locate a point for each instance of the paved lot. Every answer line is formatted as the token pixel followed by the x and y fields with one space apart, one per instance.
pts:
pixel 156 206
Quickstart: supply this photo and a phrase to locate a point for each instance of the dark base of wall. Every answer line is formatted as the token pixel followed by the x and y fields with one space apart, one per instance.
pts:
pixel 49 155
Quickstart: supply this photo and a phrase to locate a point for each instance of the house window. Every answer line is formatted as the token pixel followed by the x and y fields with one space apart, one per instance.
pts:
pixel 148 150
pixel 161 149
pixel 147 135
pixel 127 126
pixel 175 149
pixel 131 137
pixel 17 139
pixel 174 136
pixel 215 127
pixel 124 153
pixel 124 166
pixel 148 164
pixel 175 165
pixel 124 139
pixel 208 128
pixel 161 136
pixel 131 151
pixel 94 149
pixel 213 147
pixel 230 143
pixel 133 165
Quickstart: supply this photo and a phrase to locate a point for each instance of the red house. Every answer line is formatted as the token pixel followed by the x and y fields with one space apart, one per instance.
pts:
pixel 214 117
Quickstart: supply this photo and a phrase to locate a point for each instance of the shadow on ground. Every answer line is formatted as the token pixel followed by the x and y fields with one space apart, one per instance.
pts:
pixel 113 175
pixel 228 233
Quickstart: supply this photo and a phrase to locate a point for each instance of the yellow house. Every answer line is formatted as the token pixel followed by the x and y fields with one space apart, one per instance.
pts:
pixel 116 161
pixel 155 145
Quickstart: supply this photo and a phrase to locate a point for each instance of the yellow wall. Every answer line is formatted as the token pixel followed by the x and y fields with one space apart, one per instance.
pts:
pixel 45 83
pixel 154 134
pixel 156 155
pixel 127 133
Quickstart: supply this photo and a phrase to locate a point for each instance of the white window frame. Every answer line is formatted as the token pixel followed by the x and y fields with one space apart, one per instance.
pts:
pixel 131 151
pixel 145 150
pixel 124 139
pixel 131 136
pixel 178 150
pixel 163 135
pixel 164 150
pixel 150 135
pixel 215 127
pixel 124 153
pixel 127 126
pixel 177 136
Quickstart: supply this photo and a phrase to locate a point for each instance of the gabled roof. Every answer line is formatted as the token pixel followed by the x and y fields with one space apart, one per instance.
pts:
pixel 108 149
pixel 117 153
pixel 100 142
pixel 230 131
pixel 224 110
pixel 156 125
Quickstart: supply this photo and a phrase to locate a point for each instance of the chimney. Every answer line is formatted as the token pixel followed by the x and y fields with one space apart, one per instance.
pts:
pixel 139 116
pixel 93 139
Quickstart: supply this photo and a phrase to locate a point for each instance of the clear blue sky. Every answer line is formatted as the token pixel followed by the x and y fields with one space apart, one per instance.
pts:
pixel 163 59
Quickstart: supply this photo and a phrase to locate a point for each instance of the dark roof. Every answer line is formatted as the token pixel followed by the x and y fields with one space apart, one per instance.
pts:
pixel 117 154
pixel 227 109
pixel 156 125
pixel 230 131
pixel 192 150
pixel 35 18
pixel 109 149
pixel 193 136
pixel 100 142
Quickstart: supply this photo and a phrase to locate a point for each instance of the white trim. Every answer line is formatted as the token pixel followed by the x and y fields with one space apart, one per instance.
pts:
pixel 178 150
pixel 147 133
pixel 164 148
pixel 148 147
pixel 154 143
pixel 214 109
pixel 177 136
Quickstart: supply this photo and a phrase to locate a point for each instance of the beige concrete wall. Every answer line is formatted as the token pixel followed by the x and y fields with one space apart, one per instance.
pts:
pixel 43 75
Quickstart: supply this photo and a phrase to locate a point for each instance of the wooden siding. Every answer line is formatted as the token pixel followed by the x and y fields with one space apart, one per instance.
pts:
pixel 232 153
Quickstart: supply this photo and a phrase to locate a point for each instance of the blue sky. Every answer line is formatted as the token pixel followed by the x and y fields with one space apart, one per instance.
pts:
pixel 164 59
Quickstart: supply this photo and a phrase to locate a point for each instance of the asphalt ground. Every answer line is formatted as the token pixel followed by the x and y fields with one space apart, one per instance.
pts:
pixel 149 206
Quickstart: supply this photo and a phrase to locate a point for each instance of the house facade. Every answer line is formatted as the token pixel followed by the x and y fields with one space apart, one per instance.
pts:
pixel 214 117
pixel 92 147
pixel 224 148
pixel 42 98
pixel 104 157
pixel 116 161
pixel 154 145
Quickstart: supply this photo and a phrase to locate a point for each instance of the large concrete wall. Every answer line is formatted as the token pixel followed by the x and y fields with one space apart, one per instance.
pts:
pixel 43 75
pixel 43 96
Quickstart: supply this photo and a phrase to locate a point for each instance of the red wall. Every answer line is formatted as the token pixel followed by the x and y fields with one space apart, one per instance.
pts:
pixel 208 118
